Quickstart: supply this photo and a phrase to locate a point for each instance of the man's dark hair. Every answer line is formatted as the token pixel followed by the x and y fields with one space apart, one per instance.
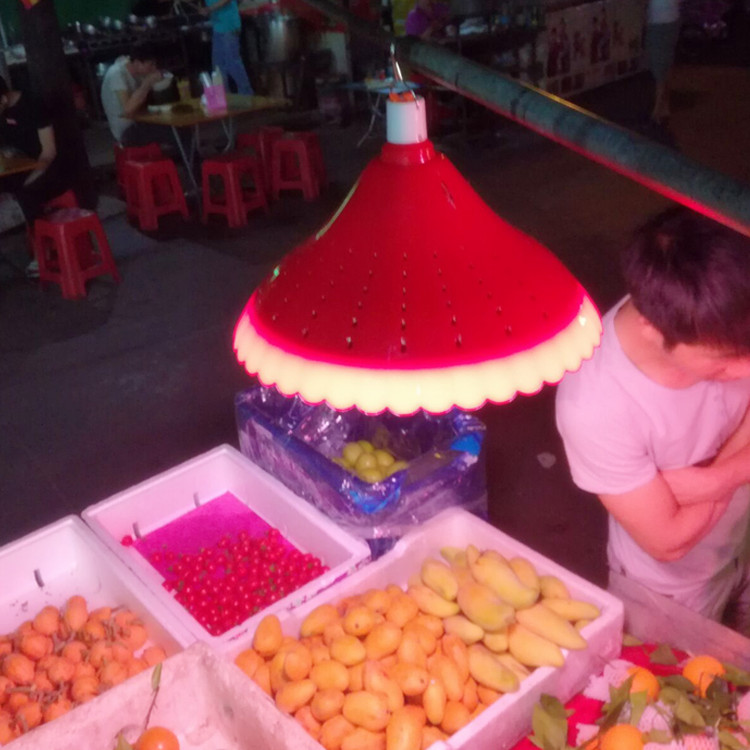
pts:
pixel 144 51
pixel 689 276
pixel 4 88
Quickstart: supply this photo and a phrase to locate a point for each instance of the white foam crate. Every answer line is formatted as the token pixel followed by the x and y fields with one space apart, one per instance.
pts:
pixel 504 723
pixel 168 496
pixel 52 564
pixel 204 699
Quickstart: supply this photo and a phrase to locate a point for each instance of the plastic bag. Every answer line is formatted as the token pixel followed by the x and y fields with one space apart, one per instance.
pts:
pixel 296 442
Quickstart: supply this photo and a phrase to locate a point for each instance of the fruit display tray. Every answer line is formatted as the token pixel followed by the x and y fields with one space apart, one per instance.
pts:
pixel 506 721
pixel 171 495
pixel 52 564
pixel 204 699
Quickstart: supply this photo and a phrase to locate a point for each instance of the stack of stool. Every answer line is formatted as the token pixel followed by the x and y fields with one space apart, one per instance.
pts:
pixel 236 200
pixel 66 254
pixel 152 189
pixel 133 153
pixel 261 142
pixel 297 164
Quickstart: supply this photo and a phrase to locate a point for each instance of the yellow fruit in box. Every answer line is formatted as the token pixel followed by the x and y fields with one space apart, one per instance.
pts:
pixel 368 463
pixel 351 452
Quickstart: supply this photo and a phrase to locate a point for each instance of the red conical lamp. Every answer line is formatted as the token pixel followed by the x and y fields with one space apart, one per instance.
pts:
pixel 415 295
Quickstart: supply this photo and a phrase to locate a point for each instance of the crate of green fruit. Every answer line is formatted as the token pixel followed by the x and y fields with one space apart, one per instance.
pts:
pixel 220 543
pixel 376 476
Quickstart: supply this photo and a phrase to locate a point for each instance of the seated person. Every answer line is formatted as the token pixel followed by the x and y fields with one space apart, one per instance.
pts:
pixel 427 19
pixel 125 88
pixel 26 128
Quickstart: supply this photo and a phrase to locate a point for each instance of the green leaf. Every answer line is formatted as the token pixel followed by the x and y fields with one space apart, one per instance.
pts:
pixel 554 707
pixel 122 743
pixel 631 640
pixel 638 703
pixel 550 732
pixel 156 677
pixel 736 676
pixel 663 654
pixel 686 712
pixel 678 682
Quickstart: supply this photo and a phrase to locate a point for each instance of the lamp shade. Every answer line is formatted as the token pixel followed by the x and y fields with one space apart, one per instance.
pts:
pixel 416 295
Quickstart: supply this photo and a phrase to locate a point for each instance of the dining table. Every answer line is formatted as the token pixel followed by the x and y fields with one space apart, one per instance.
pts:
pixel 190 114
pixel 16 164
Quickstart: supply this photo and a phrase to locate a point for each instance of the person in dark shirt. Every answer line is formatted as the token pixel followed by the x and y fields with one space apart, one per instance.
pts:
pixel 26 128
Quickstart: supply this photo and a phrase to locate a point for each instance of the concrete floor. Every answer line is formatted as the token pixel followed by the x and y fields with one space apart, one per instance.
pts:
pixel 100 394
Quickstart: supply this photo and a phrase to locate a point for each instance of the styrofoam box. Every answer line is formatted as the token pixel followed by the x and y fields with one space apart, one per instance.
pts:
pixel 203 698
pixel 52 564
pixel 166 497
pixel 504 723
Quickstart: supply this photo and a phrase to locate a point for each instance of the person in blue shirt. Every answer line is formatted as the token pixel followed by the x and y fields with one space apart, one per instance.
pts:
pixel 225 45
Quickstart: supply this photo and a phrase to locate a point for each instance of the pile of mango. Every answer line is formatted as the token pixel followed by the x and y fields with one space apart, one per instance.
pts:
pixel 395 669
pixel 370 464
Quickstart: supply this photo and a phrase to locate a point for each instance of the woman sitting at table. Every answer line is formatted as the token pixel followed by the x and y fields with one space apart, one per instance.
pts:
pixel 26 128
pixel 427 19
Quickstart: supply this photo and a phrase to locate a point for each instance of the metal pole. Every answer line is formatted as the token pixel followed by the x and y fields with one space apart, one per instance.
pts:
pixel 659 168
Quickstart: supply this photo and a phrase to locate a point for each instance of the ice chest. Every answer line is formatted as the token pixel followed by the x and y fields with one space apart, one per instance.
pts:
pixel 204 699
pixel 194 484
pixel 507 720
pixel 296 442
pixel 52 564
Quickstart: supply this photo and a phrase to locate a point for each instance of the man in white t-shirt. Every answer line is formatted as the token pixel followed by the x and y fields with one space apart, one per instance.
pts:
pixel 125 88
pixel 656 423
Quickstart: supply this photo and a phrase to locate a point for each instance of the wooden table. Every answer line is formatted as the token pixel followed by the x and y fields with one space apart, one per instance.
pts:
pixel 237 104
pixel 16 164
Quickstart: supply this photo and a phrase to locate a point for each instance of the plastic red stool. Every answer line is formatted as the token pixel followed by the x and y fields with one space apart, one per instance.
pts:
pixel 67 199
pixel 66 253
pixel 236 200
pixel 133 153
pixel 316 155
pixel 261 142
pixel 152 189
pixel 292 167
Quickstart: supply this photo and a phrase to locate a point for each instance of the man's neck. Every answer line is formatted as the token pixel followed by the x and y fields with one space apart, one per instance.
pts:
pixel 646 352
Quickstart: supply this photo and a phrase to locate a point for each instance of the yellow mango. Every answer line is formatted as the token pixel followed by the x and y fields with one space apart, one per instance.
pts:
pixel 326 704
pixel 315 623
pixel 376 680
pixel 490 672
pixel 456 650
pixel 363 739
pixel 404 730
pixel 403 608
pixel 410 650
pixel 366 710
pixel 293 695
pixel 445 670
pixel 309 723
pixel 382 640
pixel 268 636
pixel 377 600
pixel 330 675
pixel 333 732
pixel 348 649
pixel 410 678
pixel 359 621
pixel 440 578
pixel 434 700
pixel 456 717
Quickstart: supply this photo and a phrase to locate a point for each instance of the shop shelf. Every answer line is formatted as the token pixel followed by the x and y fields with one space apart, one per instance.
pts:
pixel 504 723
pixel 205 700
pixel 169 496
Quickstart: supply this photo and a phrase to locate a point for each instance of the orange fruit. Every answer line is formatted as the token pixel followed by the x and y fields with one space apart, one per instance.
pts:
pixel 622 737
pixel 644 681
pixel 157 738
pixel 701 670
